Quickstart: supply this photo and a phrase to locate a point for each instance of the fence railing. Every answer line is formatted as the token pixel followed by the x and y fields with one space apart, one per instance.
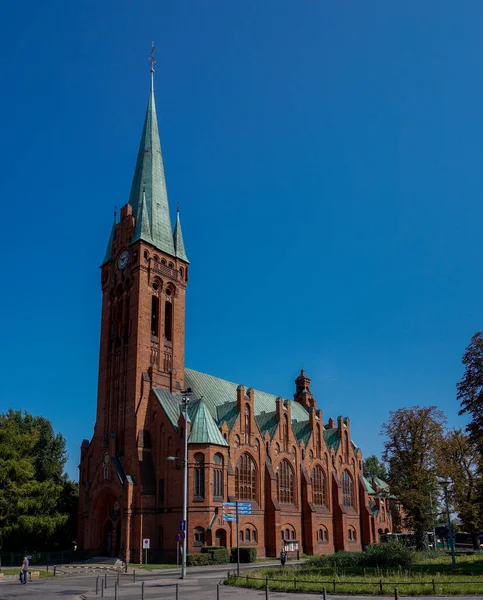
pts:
pixel 380 587
pixel 14 559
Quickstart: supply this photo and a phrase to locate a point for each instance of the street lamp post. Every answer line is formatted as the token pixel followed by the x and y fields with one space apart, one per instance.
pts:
pixel 444 485
pixel 432 520
pixel 185 400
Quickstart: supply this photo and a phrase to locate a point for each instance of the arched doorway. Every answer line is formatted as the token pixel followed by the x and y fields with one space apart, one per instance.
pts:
pixel 108 537
pixel 220 537
pixel 118 539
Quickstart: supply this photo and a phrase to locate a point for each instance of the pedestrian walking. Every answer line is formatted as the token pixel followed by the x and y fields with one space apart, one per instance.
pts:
pixel 24 570
pixel 283 557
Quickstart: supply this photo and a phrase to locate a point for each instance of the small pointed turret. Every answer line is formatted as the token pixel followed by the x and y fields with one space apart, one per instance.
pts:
pixel 203 427
pixel 142 230
pixel 108 254
pixel 178 239
pixel 149 175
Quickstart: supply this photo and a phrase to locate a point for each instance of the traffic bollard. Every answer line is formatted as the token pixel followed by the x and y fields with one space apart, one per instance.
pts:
pixel 217 591
pixel 266 591
pixel 118 577
pixel 102 588
pixel 324 594
pixel 142 590
pixel 105 580
pixel 97 585
pixel 115 590
pixel 55 569
pixel 396 594
pixel 134 575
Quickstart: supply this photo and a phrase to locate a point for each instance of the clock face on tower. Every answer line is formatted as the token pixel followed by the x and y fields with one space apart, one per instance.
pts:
pixel 123 259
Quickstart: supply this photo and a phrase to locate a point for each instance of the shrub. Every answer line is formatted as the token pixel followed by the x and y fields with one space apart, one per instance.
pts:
pixel 390 554
pixel 197 560
pixel 247 555
pixel 218 555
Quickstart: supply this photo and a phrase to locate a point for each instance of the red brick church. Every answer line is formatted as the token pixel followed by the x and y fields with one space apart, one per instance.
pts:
pixel 302 476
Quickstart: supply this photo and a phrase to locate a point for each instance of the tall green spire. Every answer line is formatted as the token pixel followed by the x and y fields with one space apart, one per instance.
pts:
pixel 142 230
pixel 149 176
pixel 178 239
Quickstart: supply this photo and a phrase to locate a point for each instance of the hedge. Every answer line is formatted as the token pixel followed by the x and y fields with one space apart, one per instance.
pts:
pixel 218 555
pixel 247 555
pixel 197 560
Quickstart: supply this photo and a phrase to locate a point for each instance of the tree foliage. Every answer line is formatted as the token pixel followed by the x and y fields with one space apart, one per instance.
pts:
pixel 470 389
pixel 373 467
pixel 460 462
pixel 33 490
pixel 413 436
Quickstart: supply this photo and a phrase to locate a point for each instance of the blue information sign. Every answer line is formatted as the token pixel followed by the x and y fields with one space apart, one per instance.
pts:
pixel 229 517
pixel 182 525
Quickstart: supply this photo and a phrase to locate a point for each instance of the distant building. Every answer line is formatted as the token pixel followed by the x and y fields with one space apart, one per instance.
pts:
pixel 302 476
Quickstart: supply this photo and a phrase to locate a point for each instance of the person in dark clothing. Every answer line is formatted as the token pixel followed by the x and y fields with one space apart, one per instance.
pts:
pixel 283 558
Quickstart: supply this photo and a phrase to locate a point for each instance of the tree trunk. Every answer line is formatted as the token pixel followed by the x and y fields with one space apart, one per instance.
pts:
pixel 475 539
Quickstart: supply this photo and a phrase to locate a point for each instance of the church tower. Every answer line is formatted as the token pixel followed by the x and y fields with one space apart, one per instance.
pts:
pixel 144 276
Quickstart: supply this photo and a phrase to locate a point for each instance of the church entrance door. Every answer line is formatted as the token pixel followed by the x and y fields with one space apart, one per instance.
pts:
pixel 108 537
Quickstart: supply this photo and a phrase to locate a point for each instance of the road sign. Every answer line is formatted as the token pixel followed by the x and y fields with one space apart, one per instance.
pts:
pixel 229 517
pixel 146 542
pixel 182 525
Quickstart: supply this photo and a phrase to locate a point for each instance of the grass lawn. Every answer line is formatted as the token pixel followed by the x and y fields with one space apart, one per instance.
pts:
pixel 413 579
pixel 43 572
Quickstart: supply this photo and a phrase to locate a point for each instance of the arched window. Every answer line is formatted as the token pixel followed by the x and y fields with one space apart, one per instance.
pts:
pixel 352 534
pixel 168 320
pixel 317 440
pixel 218 487
pixel 155 316
pixel 347 489
pixel 241 536
pixel 247 536
pixel 254 536
pixel 246 478
pixel 323 535
pixel 319 486
pixel 285 433
pixel 285 482
pixel 247 424
pixel 199 491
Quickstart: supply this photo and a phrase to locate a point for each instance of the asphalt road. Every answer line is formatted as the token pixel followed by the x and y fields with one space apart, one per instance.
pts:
pixel 200 585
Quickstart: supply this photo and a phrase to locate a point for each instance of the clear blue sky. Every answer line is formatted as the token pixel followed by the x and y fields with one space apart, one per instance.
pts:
pixel 327 157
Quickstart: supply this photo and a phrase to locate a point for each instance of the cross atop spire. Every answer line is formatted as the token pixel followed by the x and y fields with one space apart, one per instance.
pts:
pixel 152 60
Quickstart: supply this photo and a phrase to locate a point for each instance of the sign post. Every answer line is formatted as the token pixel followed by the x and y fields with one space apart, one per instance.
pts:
pixel 231 512
pixel 237 544
pixel 146 543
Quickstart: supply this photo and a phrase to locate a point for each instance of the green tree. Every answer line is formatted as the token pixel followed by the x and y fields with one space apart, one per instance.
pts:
pixel 413 435
pixel 32 459
pixel 470 389
pixel 460 462
pixel 373 467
